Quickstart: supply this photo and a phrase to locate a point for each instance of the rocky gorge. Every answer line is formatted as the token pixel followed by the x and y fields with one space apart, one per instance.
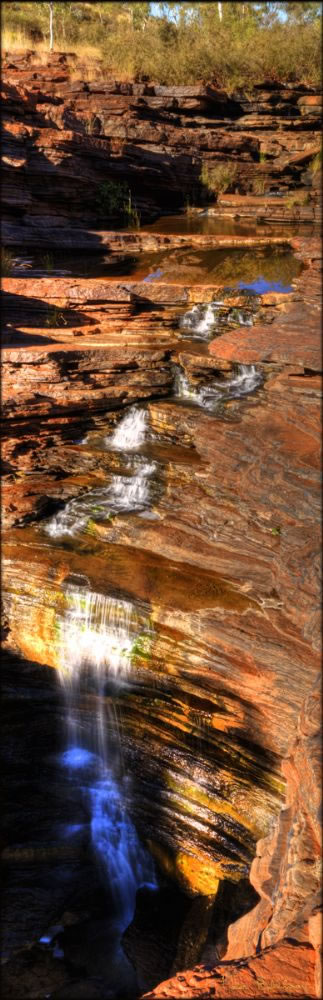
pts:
pixel 161 542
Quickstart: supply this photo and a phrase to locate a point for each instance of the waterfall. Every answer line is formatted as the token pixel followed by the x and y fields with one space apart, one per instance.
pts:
pixel 131 432
pixel 200 319
pixel 239 318
pixel 132 493
pixel 97 633
pixel 97 638
pixel 245 381
pixel 124 494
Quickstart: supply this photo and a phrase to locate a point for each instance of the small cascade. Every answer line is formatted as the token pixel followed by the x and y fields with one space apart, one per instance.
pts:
pixel 201 319
pixel 245 381
pixel 131 432
pixel 97 637
pixel 239 318
pixel 124 494
pixel 132 493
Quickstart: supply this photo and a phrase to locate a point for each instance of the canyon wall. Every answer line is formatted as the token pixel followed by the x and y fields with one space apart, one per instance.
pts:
pixel 226 569
pixel 64 139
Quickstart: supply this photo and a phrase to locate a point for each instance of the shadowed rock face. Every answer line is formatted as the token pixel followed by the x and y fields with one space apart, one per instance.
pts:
pixel 275 949
pixel 221 558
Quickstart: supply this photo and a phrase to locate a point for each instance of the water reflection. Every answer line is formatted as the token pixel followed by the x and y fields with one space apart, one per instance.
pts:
pixel 219 266
pixel 206 224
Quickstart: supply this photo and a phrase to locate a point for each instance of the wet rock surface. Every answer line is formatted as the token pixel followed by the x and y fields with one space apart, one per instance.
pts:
pixel 217 556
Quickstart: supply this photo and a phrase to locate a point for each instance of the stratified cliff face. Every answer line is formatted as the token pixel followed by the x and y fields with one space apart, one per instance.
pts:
pixel 220 571
pixel 63 139
pixel 275 950
pixel 232 653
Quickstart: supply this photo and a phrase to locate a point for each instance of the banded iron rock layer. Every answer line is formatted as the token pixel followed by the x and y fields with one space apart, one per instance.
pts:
pixel 220 728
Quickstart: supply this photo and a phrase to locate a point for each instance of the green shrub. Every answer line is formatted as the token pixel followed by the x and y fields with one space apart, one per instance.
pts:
pixel 249 45
pixel 219 178
pixel 298 198
pixel 112 197
pixel 131 213
pixel 115 198
pixel 316 164
pixel 7 262
pixel 259 185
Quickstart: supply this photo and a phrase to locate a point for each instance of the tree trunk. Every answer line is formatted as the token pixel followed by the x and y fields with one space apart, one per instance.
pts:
pixel 220 10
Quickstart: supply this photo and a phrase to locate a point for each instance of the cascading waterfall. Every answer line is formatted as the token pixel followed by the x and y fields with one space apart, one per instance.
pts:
pixel 132 493
pixel 97 638
pixel 240 318
pixel 124 494
pixel 200 319
pixel 245 381
pixel 131 432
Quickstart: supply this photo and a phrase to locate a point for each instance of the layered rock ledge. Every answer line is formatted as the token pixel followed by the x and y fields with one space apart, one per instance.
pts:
pixel 63 138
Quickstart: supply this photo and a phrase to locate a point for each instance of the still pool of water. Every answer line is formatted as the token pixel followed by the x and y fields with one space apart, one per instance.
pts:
pixel 207 225
pixel 258 269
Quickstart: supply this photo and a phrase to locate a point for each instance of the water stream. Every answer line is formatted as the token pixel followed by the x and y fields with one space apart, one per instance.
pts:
pixel 125 493
pixel 247 379
pixel 204 321
pixel 131 432
pixel 134 491
pixel 236 267
pixel 97 639
pixel 201 319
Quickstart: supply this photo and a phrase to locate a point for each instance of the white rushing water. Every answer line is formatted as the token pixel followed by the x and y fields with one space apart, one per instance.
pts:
pixel 240 318
pixel 245 381
pixel 132 493
pixel 200 319
pixel 131 432
pixel 97 637
pixel 123 495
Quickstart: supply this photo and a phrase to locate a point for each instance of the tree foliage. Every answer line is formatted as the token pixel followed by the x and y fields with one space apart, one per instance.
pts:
pixel 233 44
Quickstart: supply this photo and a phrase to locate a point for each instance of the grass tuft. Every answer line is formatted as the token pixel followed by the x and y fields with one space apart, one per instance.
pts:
pixel 7 262
pixel 219 178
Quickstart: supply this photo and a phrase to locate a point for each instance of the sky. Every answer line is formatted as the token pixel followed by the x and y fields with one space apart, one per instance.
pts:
pixel 155 9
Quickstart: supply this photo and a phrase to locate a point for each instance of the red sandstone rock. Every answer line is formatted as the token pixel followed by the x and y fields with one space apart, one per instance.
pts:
pixel 276 950
pixel 239 524
pixel 71 131
pixel 285 971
